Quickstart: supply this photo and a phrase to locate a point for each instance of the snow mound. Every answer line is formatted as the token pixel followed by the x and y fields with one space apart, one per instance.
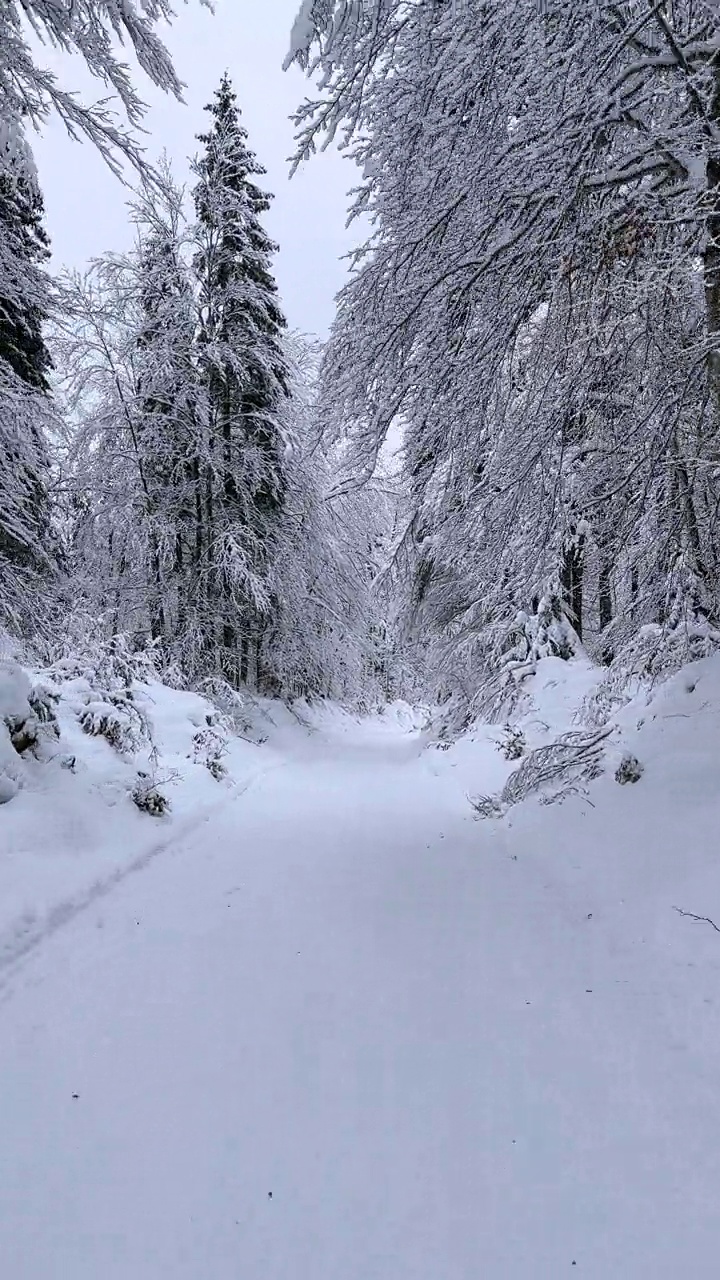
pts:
pixel 574 731
pixel 627 859
pixel 97 770
pixel 636 845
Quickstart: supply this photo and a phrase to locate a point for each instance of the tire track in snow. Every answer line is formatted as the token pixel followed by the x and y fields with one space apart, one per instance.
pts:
pixel 15 950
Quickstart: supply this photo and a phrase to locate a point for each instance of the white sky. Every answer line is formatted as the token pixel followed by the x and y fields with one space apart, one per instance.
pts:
pixel 85 204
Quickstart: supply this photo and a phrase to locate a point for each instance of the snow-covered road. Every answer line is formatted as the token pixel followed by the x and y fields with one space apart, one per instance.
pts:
pixel 338 1034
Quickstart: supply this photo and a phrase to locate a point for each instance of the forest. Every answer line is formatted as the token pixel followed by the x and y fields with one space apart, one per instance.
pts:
pixel 360 693
pixel 507 447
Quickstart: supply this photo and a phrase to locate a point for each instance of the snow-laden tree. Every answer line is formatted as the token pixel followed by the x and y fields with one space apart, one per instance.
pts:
pixel 244 370
pixel 146 472
pixel 170 430
pixel 331 632
pixel 24 246
pixel 536 305
pixel 135 410
pixel 98 31
pixel 25 410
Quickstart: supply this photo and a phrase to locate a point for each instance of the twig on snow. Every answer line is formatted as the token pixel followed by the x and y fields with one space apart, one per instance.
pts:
pixel 691 914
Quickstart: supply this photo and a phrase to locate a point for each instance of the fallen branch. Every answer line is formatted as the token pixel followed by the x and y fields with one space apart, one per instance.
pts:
pixel 692 916
pixel 558 769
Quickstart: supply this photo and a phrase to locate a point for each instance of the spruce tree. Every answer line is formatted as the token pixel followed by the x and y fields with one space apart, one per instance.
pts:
pixel 246 379
pixel 22 345
pixel 24 366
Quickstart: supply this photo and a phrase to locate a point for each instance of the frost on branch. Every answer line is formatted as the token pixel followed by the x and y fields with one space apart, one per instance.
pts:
pixel 96 30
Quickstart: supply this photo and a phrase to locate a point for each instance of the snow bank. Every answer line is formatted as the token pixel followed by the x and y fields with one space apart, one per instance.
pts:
pixel 549 705
pixel 637 863
pixel 670 729
pixel 78 754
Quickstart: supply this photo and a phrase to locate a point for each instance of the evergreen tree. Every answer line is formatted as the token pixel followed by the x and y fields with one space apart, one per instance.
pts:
pixel 25 409
pixel 22 345
pixel 246 379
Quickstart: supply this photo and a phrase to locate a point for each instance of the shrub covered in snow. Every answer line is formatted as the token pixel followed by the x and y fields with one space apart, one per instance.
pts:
pixel 28 725
pixel 652 655
pixel 148 797
pixel 629 769
pixel 112 664
pixel 545 633
pixel 118 719
pixel 209 747
pixel 101 694
pixel 237 711
pixel 27 711
pixel 512 745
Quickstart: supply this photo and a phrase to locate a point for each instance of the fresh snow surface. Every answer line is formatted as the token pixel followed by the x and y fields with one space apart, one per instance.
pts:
pixel 339 1029
pixel 70 833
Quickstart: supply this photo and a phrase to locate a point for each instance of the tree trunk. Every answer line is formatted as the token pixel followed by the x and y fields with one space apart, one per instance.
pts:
pixel 605 604
pixel 230 657
pixel 244 659
pixel 571 579
pixel 157 607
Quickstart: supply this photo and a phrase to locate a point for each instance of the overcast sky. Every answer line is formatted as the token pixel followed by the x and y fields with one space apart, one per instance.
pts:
pixel 86 205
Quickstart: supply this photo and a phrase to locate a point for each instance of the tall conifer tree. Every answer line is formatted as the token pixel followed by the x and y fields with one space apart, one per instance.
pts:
pixel 245 371
pixel 24 366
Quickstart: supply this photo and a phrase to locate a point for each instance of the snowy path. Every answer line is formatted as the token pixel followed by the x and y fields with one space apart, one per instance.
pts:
pixel 338 1035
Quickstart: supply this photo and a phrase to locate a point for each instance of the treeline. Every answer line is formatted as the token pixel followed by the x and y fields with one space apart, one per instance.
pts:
pixel 164 479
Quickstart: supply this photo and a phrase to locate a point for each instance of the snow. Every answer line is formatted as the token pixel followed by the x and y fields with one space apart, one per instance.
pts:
pixel 302 34
pixel 73 832
pixel 334 1026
